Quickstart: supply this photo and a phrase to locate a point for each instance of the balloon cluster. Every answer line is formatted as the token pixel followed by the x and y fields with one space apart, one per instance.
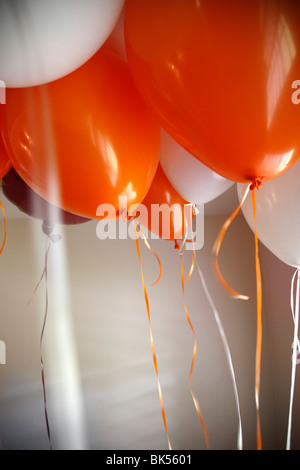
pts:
pixel 203 88
pixel 162 102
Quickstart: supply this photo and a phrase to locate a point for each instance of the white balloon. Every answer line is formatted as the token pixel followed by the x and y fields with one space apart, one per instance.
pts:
pixel 43 40
pixel 277 215
pixel 193 180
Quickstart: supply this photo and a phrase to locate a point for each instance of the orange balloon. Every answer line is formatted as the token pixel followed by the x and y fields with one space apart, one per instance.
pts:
pixel 85 139
pixel 165 213
pixel 5 163
pixel 218 76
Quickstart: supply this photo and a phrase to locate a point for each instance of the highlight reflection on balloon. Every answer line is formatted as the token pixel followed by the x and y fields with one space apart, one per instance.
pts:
pixel 218 77
pixel 85 139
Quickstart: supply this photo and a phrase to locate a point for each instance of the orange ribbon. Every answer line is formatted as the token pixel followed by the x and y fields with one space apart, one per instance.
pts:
pixel 252 187
pixel 259 326
pixel 192 265
pixel 218 244
pixel 151 334
pixel 196 403
pixel 153 252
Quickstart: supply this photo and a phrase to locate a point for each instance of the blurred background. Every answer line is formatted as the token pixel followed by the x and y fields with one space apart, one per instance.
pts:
pixel 100 379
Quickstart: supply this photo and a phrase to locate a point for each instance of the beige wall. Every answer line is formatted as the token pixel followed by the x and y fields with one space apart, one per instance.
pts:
pixel 101 383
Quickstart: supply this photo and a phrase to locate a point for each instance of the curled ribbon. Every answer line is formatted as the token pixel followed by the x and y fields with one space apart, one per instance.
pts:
pixel 151 334
pixel 296 349
pixel 227 353
pixel 255 185
pixel 218 243
pixel 195 400
pixel 153 252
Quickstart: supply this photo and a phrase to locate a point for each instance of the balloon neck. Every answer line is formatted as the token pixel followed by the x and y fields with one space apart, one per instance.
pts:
pixel 176 246
pixel 127 217
pixel 256 184
pixel 47 227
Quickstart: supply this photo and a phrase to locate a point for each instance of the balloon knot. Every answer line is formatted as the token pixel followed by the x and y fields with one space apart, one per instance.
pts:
pixel 127 217
pixel 176 246
pixel 195 209
pixel 256 184
pixel 47 228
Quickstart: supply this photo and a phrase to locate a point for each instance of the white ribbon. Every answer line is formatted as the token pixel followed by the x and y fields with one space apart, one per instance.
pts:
pixel 228 355
pixel 296 349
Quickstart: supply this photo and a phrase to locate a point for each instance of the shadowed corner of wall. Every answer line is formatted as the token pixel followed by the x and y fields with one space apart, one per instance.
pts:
pixel 2 92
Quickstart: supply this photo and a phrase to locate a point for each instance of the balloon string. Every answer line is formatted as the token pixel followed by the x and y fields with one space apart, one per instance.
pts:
pixel 227 353
pixel 194 211
pixel 5 231
pixel 259 326
pixel 41 343
pixel 44 276
pixel 296 350
pixel 180 248
pixel 255 185
pixel 39 282
pixel 153 252
pixel 293 308
pixel 195 400
pixel 151 338
pixel 218 244
pixel 192 265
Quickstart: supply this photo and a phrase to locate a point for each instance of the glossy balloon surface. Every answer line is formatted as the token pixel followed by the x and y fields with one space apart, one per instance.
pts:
pixel 5 163
pixel 83 140
pixel 218 75
pixel 165 214
pixel 42 40
pixel 193 180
